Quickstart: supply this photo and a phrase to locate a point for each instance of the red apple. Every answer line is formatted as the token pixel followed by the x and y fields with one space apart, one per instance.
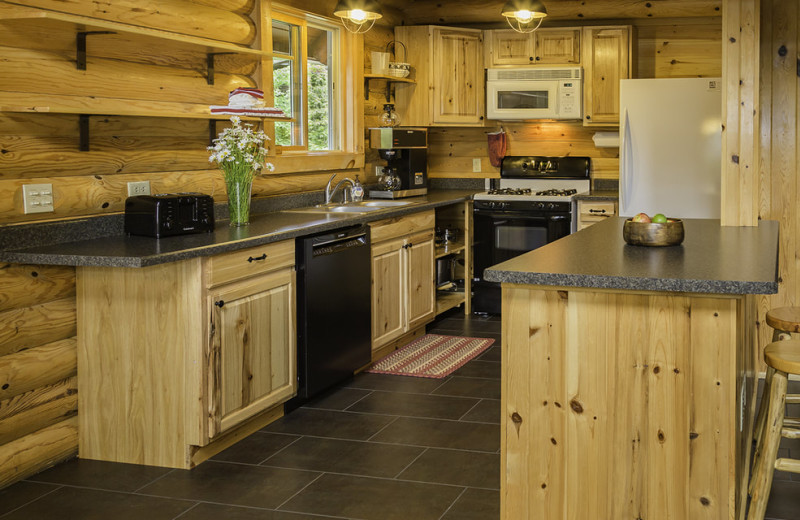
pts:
pixel 641 217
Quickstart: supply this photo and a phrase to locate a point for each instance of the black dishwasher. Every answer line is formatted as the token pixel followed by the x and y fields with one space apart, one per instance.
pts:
pixel 333 309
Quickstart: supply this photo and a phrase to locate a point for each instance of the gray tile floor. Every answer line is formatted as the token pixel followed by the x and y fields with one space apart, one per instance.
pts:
pixel 378 447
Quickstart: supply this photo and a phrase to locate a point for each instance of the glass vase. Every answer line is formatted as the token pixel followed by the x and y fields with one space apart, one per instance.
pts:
pixel 239 200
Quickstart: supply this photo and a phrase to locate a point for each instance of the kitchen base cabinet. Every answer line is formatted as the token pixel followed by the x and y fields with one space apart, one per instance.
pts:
pixel 175 357
pixel 403 292
pixel 456 253
pixel 592 212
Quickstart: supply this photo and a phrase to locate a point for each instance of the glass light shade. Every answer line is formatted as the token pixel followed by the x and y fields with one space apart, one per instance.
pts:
pixel 524 16
pixel 358 16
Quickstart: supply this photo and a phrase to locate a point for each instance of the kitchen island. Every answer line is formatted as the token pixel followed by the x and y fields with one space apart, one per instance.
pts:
pixel 629 373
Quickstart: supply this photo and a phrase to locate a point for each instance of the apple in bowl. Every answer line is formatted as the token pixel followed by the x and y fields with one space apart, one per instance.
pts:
pixel 659 231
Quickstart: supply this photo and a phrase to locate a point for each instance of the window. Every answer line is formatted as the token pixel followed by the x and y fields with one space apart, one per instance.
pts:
pixel 305 69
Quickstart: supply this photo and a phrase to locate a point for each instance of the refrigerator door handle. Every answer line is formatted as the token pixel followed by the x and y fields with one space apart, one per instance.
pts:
pixel 627 163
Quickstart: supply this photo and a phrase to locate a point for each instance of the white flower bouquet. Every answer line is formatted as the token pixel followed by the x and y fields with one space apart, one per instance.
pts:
pixel 240 153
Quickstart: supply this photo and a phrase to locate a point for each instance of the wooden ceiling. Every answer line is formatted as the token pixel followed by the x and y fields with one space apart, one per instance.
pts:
pixel 415 12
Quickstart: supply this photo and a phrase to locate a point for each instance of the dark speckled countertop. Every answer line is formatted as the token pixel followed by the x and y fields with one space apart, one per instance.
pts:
pixel 711 260
pixel 134 251
pixel 599 195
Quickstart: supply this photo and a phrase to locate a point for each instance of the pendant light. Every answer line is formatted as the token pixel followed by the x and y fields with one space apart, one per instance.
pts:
pixel 358 16
pixel 524 16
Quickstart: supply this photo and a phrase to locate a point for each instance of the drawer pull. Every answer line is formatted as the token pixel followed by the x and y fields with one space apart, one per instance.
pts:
pixel 517 418
pixel 597 211
pixel 220 303
pixel 257 258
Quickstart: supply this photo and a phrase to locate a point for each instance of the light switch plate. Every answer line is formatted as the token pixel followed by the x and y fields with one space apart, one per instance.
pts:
pixel 476 165
pixel 37 198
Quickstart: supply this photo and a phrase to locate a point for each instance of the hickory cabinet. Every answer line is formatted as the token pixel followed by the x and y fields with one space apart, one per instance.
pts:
pixel 541 47
pixel 591 212
pixel 607 58
pixel 403 291
pixel 449 89
pixel 179 360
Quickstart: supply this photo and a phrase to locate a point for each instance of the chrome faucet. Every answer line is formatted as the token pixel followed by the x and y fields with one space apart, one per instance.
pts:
pixel 329 193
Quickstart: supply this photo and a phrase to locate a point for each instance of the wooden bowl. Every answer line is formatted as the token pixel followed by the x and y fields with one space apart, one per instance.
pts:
pixel 650 234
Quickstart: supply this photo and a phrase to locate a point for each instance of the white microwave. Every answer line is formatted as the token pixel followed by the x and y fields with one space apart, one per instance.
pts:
pixel 534 93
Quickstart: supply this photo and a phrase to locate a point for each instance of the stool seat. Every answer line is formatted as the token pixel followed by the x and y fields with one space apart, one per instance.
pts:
pixel 784 356
pixel 786 319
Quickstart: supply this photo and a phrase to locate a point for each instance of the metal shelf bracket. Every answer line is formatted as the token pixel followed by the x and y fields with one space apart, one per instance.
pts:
pixel 80 47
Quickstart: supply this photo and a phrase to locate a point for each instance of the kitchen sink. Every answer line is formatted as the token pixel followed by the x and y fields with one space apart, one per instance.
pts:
pixel 353 207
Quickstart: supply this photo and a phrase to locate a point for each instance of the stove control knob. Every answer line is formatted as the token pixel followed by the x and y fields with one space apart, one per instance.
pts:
pixel 492 205
pixel 504 205
pixel 552 205
pixel 540 205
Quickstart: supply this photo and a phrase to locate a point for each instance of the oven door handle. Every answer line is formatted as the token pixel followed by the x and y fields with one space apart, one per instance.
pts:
pixel 558 217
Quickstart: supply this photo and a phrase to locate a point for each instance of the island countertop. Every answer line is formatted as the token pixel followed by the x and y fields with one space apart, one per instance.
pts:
pixel 712 259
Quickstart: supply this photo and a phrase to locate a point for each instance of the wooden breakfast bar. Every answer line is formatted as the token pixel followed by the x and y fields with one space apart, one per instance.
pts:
pixel 628 382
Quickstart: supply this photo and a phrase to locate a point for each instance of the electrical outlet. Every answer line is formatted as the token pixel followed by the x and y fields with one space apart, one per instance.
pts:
pixel 37 198
pixel 138 188
pixel 476 165
pixel 378 171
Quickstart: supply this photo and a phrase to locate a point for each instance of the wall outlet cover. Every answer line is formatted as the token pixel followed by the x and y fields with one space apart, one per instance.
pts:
pixel 37 198
pixel 476 165
pixel 138 188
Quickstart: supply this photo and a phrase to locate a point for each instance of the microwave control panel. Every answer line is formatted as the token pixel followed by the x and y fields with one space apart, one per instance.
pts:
pixel 569 99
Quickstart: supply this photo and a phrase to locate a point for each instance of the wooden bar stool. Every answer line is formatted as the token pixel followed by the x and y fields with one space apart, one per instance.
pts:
pixel 784 358
pixel 785 321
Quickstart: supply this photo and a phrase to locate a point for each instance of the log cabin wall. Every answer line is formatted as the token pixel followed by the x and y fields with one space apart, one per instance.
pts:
pixel 664 48
pixel 38 380
pixel 779 152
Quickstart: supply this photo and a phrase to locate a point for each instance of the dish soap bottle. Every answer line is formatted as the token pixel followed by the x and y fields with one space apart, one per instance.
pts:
pixel 358 191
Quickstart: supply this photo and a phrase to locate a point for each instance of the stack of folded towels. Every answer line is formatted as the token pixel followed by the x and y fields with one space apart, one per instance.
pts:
pixel 247 102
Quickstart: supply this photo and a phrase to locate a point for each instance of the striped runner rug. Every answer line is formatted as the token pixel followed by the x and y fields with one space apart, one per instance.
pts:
pixel 431 356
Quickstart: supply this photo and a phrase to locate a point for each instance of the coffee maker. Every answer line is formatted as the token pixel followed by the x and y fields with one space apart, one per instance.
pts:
pixel 405 151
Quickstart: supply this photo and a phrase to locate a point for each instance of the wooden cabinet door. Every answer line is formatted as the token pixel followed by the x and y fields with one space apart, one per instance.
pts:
pixel 606 60
pixel 421 290
pixel 557 46
pixel 252 359
pixel 508 47
pixel 457 77
pixel 388 283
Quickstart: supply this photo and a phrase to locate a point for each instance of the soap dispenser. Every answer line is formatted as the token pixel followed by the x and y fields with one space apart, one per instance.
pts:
pixel 358 191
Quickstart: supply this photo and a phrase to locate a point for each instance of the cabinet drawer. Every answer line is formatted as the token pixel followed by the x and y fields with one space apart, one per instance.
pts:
pixel 401 226
pixel 241 264
pixel 594 211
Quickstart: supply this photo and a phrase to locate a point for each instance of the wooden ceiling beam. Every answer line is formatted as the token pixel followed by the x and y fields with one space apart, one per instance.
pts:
pixel 417 12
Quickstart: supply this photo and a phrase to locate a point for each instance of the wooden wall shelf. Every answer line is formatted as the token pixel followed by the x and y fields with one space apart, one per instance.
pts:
pixel 390 80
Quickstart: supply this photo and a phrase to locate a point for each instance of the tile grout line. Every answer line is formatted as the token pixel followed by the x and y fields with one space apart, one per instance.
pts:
pixel 347 408
pixel 386 426
pixel 136 491
pixel 186 511
pixel 26 504
pixel 299 491
pixel 461 419
pixel 423 452
pixel 280 450
pixel 463 491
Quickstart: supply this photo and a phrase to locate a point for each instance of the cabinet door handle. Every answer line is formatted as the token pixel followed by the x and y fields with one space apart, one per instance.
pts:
pixel 220 303
pixel 257 258
pixel 517 418
pixel 597 211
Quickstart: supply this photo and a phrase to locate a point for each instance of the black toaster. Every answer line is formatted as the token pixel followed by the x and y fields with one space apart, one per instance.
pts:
pixel 169 214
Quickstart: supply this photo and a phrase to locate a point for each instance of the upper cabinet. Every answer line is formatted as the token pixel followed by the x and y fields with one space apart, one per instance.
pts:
pixel 607 59
pixel 542 47
pixel 449 88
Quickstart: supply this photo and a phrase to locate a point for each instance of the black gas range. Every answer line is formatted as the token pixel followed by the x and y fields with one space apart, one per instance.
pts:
pixel 532 204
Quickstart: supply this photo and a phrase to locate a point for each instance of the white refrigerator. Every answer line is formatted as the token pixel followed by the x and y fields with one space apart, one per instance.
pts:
pixel 670 147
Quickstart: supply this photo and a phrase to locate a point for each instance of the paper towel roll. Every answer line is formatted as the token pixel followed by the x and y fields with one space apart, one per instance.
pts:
pixel 606 139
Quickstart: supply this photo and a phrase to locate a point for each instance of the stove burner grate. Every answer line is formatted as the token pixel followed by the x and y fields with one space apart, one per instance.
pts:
pixel 510 191
pixel 557 193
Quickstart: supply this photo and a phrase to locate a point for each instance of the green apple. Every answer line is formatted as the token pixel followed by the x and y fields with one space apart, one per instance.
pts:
pixel 658 218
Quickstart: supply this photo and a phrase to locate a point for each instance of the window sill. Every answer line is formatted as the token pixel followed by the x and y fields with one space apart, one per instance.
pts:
pixel 299 162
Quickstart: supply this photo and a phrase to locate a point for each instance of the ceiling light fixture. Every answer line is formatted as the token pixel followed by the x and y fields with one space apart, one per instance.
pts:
pixel 358 16
pixel 524 16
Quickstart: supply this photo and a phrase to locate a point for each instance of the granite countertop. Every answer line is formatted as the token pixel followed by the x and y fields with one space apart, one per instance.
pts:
pixel 599 195
pixel 711 260
pixel 135 251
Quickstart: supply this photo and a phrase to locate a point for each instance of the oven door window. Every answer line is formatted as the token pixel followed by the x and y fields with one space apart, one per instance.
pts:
pixel 523 99
pixel 513 239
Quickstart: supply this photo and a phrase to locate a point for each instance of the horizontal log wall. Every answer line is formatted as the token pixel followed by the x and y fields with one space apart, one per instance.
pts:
pixel 686 47
pixel 38 380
